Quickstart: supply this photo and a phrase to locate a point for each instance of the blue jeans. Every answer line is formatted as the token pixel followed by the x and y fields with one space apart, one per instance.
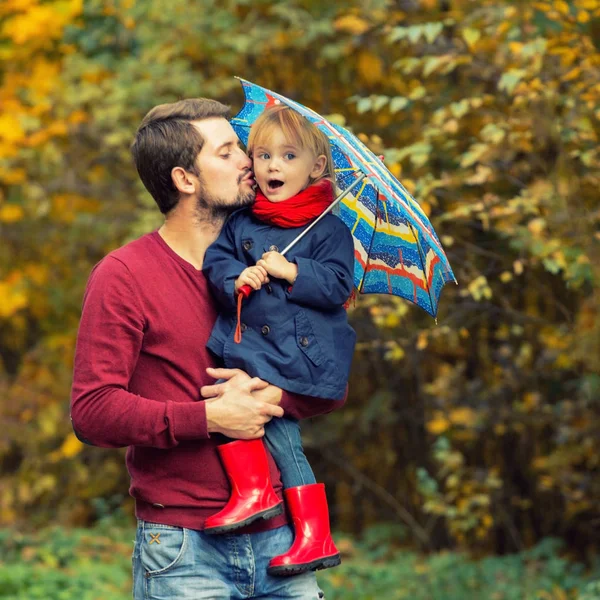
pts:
pixel 173 563
pixel 283 439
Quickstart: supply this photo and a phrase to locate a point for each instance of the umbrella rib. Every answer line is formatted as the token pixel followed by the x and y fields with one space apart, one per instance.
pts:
pixel 424 261
pixel 362 283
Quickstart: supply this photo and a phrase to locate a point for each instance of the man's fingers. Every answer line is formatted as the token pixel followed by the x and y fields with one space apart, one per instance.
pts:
pixel 256 384
pixel 222 373
pixel 210 391
pixel 273 410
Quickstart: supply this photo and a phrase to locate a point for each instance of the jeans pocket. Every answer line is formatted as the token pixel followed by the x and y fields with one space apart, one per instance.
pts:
pixel 162 547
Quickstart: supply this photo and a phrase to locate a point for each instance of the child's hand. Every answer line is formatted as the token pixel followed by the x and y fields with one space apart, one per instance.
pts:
pixel 252 276
pixel 276 265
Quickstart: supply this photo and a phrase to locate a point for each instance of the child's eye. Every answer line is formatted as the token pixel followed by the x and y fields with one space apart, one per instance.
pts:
pixel 290 155
pixel 264 156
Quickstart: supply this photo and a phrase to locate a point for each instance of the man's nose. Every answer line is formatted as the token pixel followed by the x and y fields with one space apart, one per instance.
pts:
pixel 245 160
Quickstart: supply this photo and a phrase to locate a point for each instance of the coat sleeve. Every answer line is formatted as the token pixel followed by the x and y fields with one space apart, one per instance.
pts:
pixel 221 266
pixel 305 407
pixel 103 410
pixel 326 279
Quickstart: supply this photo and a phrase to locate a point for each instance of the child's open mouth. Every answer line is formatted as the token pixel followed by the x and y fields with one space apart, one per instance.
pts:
pixel 274 184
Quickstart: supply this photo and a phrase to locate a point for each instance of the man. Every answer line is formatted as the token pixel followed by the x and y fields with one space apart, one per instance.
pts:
pixel 141 369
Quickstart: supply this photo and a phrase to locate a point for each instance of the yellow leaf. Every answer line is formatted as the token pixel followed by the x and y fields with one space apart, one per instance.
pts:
pixel 562 7
pixel 422 341
pixel 518 267
pixel 71 446
pixel 11 300
pixel 351 24
pixel 438 425
pixel 471 36
pixel 572 74
pixel 536 226
pixel 463 416
pixel 583 16
pixel 10 128
pixel 506 276
pixel 10 213
pixel 370 67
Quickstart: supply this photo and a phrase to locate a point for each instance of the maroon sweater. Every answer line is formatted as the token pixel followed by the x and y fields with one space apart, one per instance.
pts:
pixel 139 365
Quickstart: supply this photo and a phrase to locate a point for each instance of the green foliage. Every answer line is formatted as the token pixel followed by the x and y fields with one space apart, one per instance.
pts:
pixel 61 564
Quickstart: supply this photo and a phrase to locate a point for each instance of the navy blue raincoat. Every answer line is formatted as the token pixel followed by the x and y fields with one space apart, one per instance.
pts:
pixel 295 337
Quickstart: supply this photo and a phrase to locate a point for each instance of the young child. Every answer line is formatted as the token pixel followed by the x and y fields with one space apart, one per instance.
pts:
pixel 292 330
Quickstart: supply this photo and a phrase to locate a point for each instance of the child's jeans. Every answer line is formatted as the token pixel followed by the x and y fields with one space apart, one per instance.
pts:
pixel 282 437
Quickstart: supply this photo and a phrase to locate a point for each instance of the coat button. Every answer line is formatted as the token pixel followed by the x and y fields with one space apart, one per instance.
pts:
pixel 243 327
pixel 273 248
pixel 247 245
pixel 158 505
pixel 265 330
pixel 269 288
pixel 304 341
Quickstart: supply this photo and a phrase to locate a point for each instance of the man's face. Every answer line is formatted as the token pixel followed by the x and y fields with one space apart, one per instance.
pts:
pixel 227 183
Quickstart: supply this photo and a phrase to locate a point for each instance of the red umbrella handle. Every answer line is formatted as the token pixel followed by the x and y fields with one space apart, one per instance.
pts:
pixel 245 291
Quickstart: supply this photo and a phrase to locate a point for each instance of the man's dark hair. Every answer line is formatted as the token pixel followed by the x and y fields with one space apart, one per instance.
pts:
pixel 167 139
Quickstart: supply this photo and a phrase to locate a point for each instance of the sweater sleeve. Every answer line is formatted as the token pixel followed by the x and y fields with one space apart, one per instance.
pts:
pixel 103 410
pixel 222 268
pixel 305 407
pixel 325 281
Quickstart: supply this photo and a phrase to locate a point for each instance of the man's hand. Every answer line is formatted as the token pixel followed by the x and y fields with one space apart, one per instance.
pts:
pixel 277 265
pixel 233 409
pixel 254 276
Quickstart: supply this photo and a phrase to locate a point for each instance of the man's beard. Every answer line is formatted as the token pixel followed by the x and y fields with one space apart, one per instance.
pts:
pixel 215 209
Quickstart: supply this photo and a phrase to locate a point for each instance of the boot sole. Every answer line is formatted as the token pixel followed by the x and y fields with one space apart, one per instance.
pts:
pixel 315 565
pixel 265 514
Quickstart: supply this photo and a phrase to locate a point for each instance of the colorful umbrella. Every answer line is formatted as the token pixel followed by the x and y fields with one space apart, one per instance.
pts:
pixel 395 247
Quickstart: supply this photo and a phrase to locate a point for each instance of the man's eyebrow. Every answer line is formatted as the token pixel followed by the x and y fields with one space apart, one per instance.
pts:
pixel 229 144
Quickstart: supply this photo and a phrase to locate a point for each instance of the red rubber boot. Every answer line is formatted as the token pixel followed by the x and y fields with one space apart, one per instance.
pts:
pixel 252 494
pixel 313 547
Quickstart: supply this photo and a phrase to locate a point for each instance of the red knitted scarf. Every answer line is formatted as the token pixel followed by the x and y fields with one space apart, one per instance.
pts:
pixel 296 211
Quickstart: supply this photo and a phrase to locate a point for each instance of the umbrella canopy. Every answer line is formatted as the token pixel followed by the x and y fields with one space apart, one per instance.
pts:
pixel 396 249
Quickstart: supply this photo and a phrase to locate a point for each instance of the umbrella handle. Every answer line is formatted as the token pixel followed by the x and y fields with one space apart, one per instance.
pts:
pixel 245 291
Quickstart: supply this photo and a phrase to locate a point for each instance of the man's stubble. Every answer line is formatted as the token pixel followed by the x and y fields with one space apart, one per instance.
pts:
pixel 214 209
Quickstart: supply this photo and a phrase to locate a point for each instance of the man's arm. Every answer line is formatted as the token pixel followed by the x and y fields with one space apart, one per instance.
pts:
pixel 103 410
pixel 305 407
pixel 293 405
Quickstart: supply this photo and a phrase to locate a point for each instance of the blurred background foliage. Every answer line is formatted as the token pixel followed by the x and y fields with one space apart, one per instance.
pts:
pixel 479 432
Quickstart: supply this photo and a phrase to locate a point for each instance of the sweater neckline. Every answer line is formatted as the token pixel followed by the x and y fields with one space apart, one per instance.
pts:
pixel 184 263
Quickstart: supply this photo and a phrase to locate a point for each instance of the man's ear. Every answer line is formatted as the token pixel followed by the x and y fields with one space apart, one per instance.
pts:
pixel 319 167
pixel 182 180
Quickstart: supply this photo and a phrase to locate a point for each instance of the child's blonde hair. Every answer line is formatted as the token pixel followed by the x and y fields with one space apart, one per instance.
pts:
pixel 297 130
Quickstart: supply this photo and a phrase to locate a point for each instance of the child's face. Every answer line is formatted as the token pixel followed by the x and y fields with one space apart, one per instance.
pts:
pixel 283 169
